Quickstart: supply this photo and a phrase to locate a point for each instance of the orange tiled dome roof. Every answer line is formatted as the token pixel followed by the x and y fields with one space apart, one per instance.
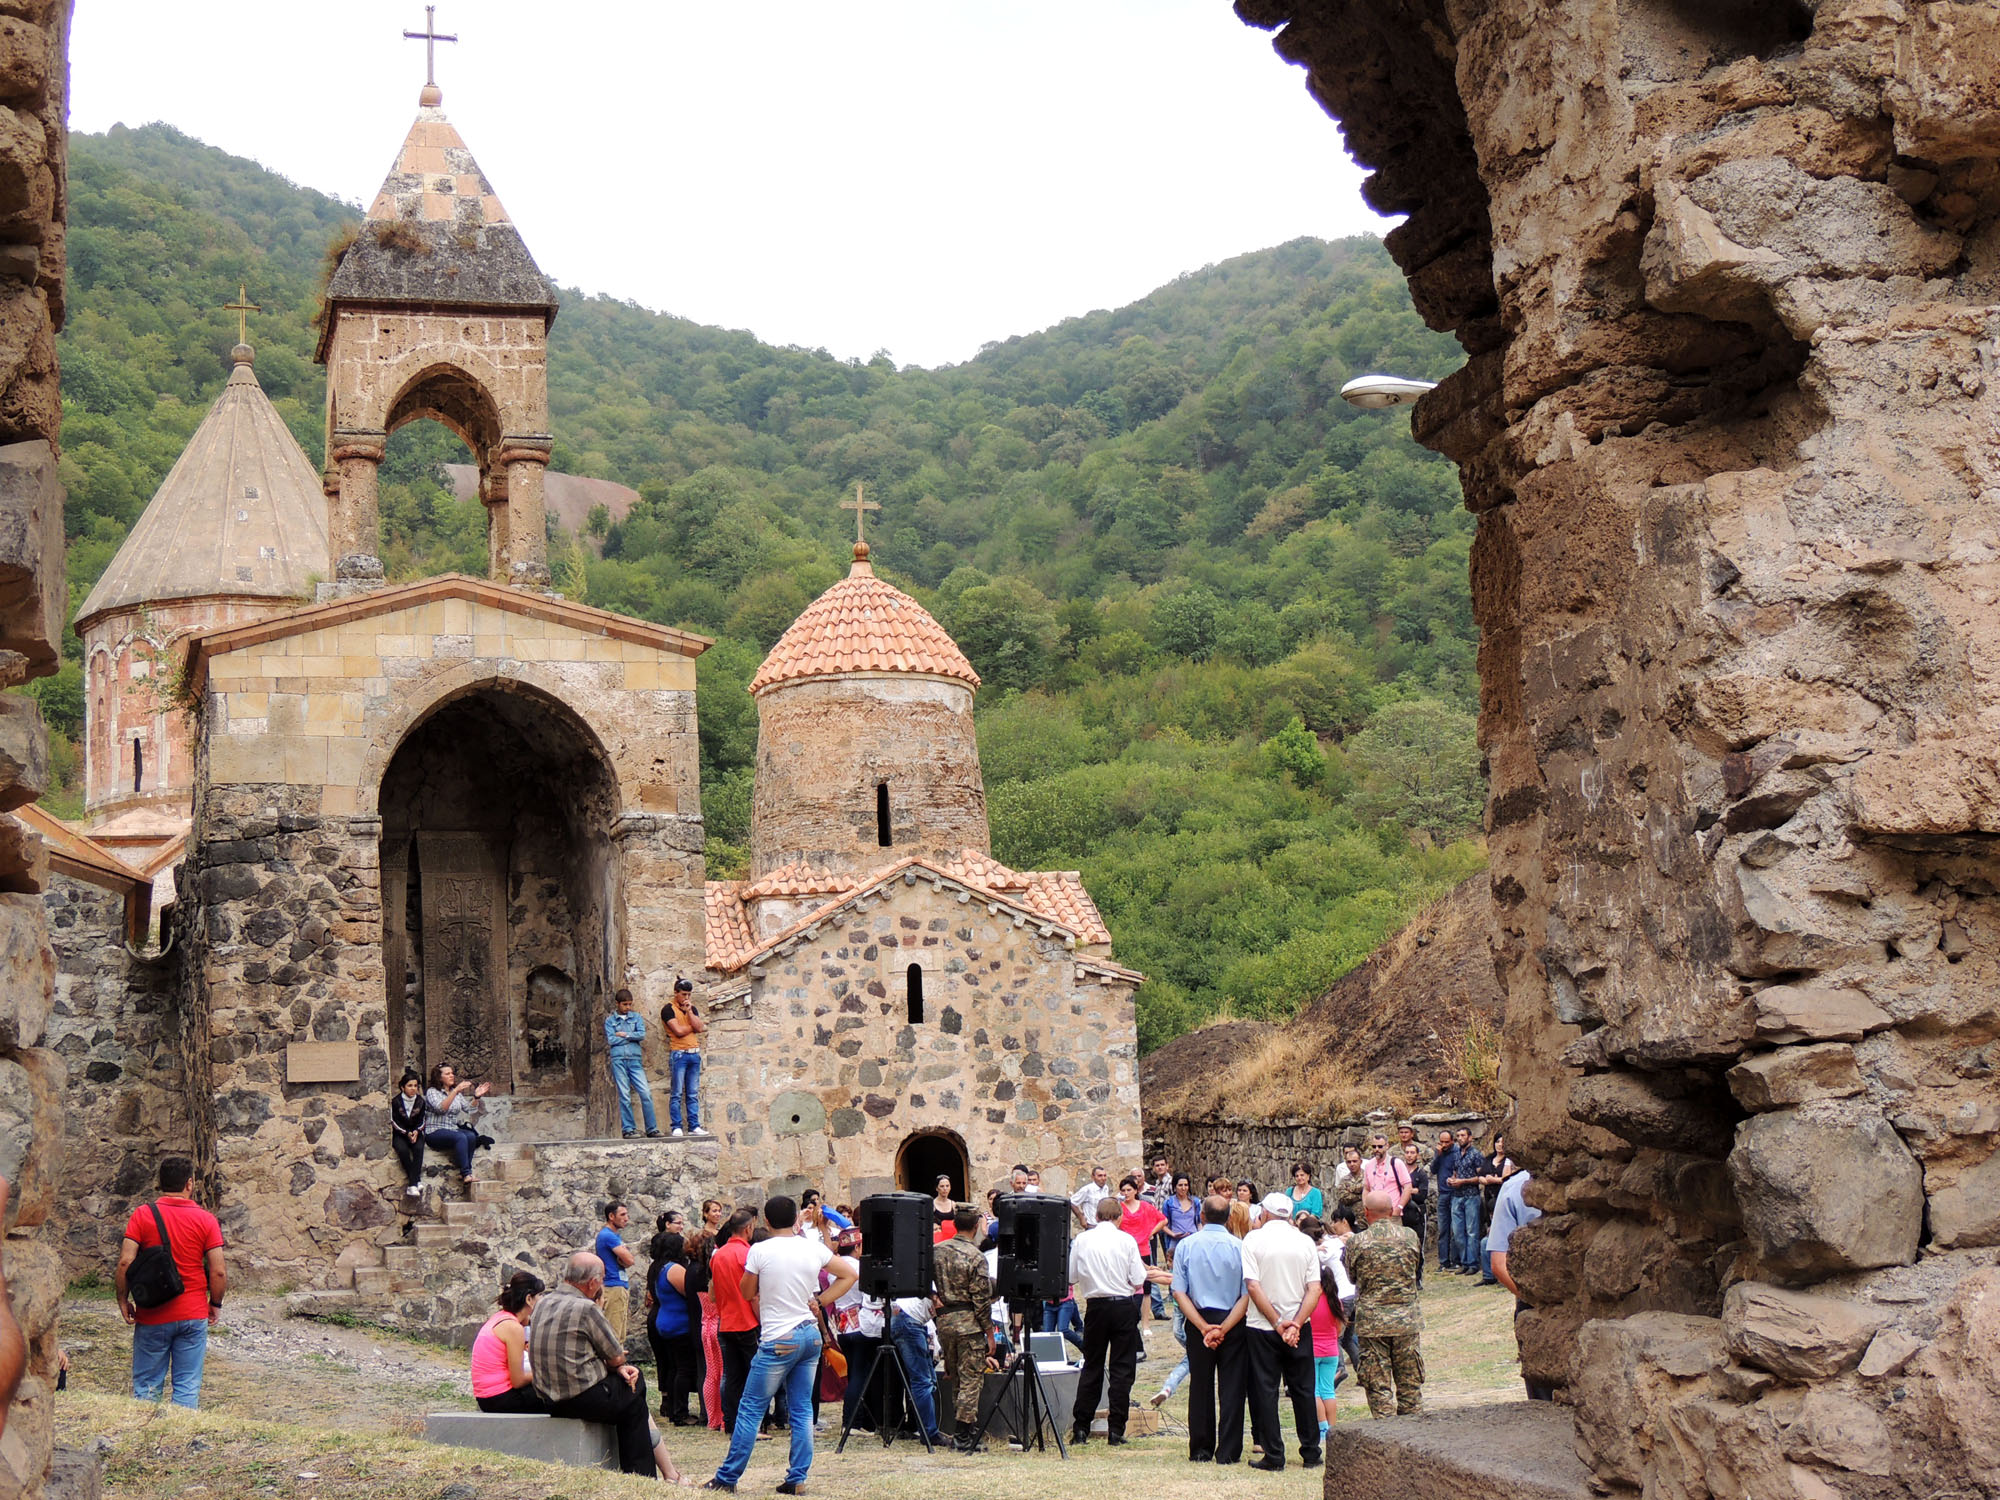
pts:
pixel 862 624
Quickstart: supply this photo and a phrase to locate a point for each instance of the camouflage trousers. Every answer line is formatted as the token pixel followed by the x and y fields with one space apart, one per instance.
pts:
pixel 964 1372
pixel 1391 1370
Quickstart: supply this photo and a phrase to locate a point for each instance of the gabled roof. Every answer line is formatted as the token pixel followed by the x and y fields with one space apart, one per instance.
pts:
pixel 240 515
pixel 863 625
pixel 436 234
pixel 207 644
pixel 1055 901
pixel 75 854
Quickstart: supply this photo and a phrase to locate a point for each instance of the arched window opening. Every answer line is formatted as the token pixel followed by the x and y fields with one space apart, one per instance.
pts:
pixel 916 987
pixel 138 766
pixel 882 814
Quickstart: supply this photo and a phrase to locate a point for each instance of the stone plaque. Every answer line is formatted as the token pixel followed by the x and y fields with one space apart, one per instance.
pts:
pixel 323 1062
pixel 464 883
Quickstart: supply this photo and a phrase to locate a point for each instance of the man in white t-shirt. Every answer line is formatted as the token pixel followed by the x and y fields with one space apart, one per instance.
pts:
pixel 1281 1274
pixel 1083 1202
pixel 781 1281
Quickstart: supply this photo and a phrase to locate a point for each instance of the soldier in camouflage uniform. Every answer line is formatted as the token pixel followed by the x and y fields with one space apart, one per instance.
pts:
pixel 965 1298
pixel 1383 1261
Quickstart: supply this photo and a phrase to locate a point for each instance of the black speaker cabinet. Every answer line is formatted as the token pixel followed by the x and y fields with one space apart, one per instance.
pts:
pixel 895 1245
pixel 1034 1247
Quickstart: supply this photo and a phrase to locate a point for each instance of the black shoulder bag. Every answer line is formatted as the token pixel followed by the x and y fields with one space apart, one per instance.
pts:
pixel 154 1277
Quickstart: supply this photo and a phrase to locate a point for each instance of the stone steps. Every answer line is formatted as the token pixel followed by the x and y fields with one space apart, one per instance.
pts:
pixel 372 1281
pixel 431 1236
pixel 487 1190
pixel 404 1260
pixel 458 1213
pixel 1524 1450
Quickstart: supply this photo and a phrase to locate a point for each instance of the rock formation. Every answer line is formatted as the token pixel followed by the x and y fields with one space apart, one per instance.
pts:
pixel 34 77
pixel 1726 277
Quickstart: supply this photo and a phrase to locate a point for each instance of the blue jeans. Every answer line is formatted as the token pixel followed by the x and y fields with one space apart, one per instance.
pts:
pixel 1465 1229
pixel 913 1342
pixel 1061 1317
pixel 1180 1371
pixel 684 1081
pixel 789 1364
pixel 628 1071
pixel 155 1346
pixel 459 1143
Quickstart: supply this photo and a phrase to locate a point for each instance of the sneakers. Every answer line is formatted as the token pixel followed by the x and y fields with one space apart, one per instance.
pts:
pixel 631 1135
pixel 652 1135
pixel 789 1488
pixel 717 1484
pixel 677 1132
pixel 413 1191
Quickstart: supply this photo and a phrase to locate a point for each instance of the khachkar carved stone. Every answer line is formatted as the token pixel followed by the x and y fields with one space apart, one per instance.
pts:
pixel 465 956
pixel 33 192
pixel 1726 277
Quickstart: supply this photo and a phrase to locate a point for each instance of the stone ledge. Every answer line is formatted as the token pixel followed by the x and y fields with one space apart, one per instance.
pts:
pixel 553 1440
pixel 1523 1450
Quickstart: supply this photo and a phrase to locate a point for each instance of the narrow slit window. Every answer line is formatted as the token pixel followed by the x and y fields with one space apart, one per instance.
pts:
pixel 138 766
pixel 882 814
pixel 916 985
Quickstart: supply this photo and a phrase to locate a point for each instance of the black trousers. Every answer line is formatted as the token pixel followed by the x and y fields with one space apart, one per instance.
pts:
pixel 1110 1361
pixel 863 1402
pixel 1218 1380
pixel 738 1349
pixel 411 1154
pixel 622 1406
pixel 523 1400
pixel 674 1366
pixel 1272 1360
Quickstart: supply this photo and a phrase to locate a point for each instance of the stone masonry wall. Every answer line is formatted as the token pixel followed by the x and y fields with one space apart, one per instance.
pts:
pixel 115 1026
pixel 824 745
pixel 1019 1056
pixel 34 89
pixel 1729 281
pixel 1263 1152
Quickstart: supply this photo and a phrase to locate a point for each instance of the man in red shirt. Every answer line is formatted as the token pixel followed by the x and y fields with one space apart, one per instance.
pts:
pixel 1140 1219
pixel 736 1315
pixel 173 1337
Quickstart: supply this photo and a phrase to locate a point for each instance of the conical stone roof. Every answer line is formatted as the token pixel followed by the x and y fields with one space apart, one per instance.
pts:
pixel 240 515
pixel 863 625
pixel 436 232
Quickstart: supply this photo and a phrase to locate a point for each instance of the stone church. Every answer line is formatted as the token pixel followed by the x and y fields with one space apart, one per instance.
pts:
pixel 443 820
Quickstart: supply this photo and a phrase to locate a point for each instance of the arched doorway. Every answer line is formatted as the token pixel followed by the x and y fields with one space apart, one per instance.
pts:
pixel 501 925
pixel 928 1155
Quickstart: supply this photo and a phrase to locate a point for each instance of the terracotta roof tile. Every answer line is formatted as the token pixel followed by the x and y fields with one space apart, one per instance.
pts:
pixel 1059 895
pixel 727 924
pixel 862 624
pixel 796 880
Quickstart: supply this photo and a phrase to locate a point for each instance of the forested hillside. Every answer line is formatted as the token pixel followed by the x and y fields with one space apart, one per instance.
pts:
pixel 1222 617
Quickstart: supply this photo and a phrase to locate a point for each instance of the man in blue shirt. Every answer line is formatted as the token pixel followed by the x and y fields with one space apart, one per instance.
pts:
pixel 1512 1213
pixel 1443 1168
pixel 624 1032
pixel 610 1248
pixel 1459 1193
pixel 1208 1285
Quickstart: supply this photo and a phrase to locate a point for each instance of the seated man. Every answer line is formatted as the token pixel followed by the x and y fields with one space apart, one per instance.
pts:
pixel 580 1365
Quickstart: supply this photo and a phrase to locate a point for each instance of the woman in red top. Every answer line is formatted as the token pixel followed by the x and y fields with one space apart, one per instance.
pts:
pixel 1142 1221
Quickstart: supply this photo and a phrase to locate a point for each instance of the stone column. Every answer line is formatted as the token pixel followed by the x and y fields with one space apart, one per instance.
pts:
pixel 353 521
pixel 499 519
pixel 525 459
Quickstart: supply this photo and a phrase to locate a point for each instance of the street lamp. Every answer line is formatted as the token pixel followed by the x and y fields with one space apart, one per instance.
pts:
pixel 1378 391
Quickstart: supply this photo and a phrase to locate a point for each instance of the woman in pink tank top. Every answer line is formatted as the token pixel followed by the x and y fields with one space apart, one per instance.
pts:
pixel 500 1378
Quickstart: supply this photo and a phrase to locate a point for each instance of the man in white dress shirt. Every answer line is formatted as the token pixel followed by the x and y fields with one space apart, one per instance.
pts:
pixel 1105 1268
pixel 1083 1202
pixel 1281 1275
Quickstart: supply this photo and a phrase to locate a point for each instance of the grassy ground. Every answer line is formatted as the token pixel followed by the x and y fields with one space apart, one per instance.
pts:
pixel 308 1411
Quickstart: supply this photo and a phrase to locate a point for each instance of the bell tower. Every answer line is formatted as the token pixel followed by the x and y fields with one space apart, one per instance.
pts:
pixel 437 310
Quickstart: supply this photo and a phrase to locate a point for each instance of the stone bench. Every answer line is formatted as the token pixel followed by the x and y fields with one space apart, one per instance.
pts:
pixel 555 1440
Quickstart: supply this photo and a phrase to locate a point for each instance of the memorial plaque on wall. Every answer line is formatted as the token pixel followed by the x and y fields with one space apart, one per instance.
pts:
pixel 323 1062
pixel 464 910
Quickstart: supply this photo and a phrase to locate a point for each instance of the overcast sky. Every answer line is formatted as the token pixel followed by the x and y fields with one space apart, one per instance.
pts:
pixel 861 175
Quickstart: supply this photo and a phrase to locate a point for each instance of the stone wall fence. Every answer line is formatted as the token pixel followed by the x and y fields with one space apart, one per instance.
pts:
pixel 1264 1151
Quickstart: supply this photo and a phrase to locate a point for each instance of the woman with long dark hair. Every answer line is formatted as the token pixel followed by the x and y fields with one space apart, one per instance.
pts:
pixel 500 1378
pixel 674 1326
pixel 406 1129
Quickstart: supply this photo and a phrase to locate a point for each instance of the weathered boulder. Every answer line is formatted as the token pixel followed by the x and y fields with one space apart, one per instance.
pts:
pixel 1827 1188
pixel 1652 1109
pixel 27 971
pixel 1800 1013
pixel 1798 1335
pixel 1961 1367
pixel 1629 1373
pixel 1965 1203
pixel 1796 1075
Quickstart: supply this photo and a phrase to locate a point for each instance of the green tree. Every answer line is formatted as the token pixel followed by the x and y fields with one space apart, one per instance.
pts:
pixel 1294 752
pixel 1419 766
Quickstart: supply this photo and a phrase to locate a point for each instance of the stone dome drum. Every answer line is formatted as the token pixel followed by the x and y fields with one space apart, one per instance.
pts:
pixel 865 745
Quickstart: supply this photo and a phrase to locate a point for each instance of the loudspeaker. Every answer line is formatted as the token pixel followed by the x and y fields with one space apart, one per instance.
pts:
pixel 895 1245
pixel 1034 1247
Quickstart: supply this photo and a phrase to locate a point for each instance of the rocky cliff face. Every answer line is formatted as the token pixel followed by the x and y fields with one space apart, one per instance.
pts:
pixel 1727 277
pixel 34 78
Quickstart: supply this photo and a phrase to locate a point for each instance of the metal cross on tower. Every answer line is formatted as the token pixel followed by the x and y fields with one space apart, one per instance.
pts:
pixel 430 36
pixel 242 307
pixel 858 505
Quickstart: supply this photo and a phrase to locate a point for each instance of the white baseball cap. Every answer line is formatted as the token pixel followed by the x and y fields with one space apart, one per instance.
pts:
pixel 1277 1206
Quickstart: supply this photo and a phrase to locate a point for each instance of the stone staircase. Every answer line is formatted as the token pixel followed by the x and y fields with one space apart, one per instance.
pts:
pixel 528 1208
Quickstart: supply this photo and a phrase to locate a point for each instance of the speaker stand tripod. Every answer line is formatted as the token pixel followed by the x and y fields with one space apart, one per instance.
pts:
pixel 1024 1374
pixel 893 1400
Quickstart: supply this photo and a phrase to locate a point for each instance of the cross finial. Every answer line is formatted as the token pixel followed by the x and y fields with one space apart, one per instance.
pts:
pixel 242 307
pixel 859 505
pixel 430 36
